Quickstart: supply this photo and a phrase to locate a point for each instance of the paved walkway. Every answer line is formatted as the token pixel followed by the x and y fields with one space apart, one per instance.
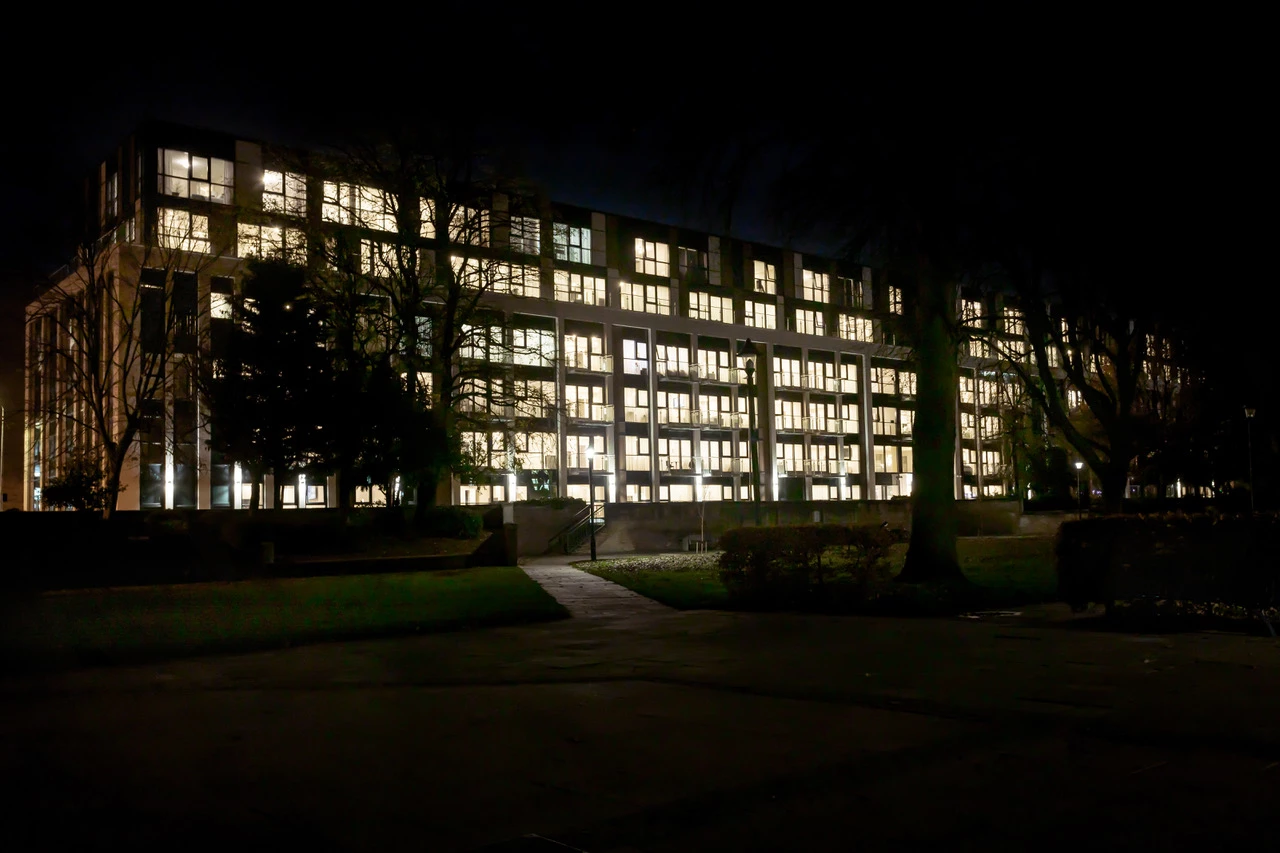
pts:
pixel 587 596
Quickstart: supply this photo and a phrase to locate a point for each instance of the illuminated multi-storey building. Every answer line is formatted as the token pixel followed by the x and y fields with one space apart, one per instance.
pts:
pixel 639 324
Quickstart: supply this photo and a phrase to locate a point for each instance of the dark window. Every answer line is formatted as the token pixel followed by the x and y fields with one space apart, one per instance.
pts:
pixel 185 306
pixel 151 298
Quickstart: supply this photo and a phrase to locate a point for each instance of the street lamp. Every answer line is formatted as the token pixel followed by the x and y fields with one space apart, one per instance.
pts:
pixel 1249 412
pixel 749 351
pixel 591 495
pixel 1079 494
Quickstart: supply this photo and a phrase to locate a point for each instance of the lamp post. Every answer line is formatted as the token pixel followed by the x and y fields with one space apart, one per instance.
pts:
pixel 1249 412
pixel 591 495
pixel 1079 494
pixel 749 351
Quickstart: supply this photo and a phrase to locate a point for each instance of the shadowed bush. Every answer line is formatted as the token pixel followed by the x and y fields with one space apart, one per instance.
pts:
pixel 1233 560
pixel 808 567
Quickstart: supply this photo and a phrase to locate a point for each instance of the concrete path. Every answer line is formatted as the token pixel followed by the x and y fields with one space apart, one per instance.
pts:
pixel 587 596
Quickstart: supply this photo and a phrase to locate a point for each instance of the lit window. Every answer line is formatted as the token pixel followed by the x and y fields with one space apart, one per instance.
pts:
pixel 766 278
pixel 180 229
pixel 284 192
pixel 271 241
pixel 187 176
pixel 884 420
pixel 884 380
pixel 534 347
pixel 469 225
pixel 971 312
pixel 220 306
pixel 968 425
pixel 815 287
pixel 810 322
pixel 895 300
pixel 525 235
pixel 571 243
pixel 111 197
pixel 1014 324
pixel 966 390
pixel 352 204
pixel 760 315
pixel 652 258
pixel 378 259
pixel 856 328
pixel 583 289
pixel 704 306
pixel 649 298
pixel 517 280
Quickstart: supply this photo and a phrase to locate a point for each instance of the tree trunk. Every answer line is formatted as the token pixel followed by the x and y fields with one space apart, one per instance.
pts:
pixel 931 555
pixel 255 492
pixel 115 464
pixel 1113 479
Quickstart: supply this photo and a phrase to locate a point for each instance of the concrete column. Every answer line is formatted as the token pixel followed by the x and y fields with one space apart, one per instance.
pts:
pixel 562 419
pixel 868 439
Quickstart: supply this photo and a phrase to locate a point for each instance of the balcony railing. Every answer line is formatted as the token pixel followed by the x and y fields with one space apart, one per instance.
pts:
pixel 791 423
pixel 680 465
pixel 680 417
pixel 589 362
pixel 535 461
pixel 791 380
pixel 822 382
pixel 848 385
pixel 636 414
pixel 564 294
pixel 635 366
pixel 599 412
pixel 677 369
pixel 794 466
pixel 827 466
pixel 719 373
pixel 637 463
pixel 726 420
pixel 579 462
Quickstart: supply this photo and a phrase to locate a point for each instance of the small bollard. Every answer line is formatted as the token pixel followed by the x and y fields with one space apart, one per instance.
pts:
pixel 268 553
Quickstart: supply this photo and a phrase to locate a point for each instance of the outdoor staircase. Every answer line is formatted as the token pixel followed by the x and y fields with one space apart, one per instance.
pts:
pixel 575 537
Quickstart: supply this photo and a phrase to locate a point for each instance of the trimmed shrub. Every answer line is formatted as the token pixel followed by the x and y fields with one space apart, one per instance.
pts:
pixel 555 503
pixel 1203 558
pixel 449 522
pixel 810 566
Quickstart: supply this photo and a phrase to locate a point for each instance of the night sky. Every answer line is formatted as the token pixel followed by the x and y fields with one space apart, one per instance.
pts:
pixel 597 112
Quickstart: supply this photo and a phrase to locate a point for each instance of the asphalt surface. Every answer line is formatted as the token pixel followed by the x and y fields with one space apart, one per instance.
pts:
pixel 637 728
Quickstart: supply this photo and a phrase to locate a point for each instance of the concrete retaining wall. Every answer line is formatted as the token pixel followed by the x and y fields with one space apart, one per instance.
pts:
pixel 538 524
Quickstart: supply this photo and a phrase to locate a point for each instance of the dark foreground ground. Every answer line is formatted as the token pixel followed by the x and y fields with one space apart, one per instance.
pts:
pixel 662 731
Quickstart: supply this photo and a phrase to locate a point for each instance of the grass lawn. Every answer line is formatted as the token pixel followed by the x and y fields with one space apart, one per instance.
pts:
pixel 135 624
pixel 1008 571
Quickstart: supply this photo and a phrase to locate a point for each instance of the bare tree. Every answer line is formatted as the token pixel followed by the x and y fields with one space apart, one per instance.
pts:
pixel 114 336
pixel 1077 345
pixel 412 253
